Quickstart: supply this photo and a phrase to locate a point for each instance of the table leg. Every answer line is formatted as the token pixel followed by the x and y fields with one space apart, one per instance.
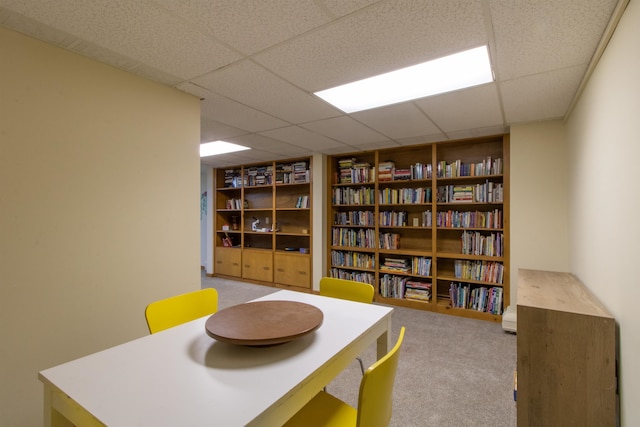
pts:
pixel 52 417
pixel 62 411
pixel 384 341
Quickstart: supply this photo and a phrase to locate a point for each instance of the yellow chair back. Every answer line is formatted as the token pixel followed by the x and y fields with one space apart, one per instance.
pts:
pixel 346 289
pixel 374 400
pixel 376 389
pixel 179 309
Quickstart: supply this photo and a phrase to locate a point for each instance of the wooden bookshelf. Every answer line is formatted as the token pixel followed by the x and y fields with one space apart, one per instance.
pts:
pixel 422 202
pixel 263 223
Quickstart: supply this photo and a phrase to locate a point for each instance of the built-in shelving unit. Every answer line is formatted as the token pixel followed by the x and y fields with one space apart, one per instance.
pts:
pixel 263 223
pixel 427 225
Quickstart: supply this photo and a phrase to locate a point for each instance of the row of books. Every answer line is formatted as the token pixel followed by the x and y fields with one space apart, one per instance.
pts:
pixel 357 276
pixel 363 218
pixel 393 196
pixel 353 259
pixel 387 171
pixel 421 266
pixel 350 171
pixel 235 204
pixel 302 202
pixel 232 178
pixel 477 243
pixel 353 196
pixel 488 192
pixel 389 241
pixel 484 271
pixel 477 219
pixel 479 298
pixel 420 291
pixel 396 265
pixel 394 218
pixel 392 286
pixel 258 175
pixel 361 238
pixel 417 265
pixel 292 173
pixel 386 219
pixel 293 177
pixel 488 166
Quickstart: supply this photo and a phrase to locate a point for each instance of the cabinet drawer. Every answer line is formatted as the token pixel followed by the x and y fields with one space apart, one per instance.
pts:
pixel 257 265
pixel 228 261
pixel 292 269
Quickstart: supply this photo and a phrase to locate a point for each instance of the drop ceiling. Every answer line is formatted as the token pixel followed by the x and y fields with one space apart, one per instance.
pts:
pixel 256 63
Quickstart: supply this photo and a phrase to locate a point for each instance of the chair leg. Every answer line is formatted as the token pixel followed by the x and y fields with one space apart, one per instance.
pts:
pixel 361 365
pixel 361 370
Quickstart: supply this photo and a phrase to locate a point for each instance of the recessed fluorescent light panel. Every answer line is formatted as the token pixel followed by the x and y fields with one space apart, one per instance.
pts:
pixel 460 70
pixel 219 147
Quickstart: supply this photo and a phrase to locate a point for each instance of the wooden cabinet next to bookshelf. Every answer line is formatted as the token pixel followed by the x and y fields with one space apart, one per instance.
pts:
pixel 263 217
pixel 228 261
pixel 292 269
pixel 427 225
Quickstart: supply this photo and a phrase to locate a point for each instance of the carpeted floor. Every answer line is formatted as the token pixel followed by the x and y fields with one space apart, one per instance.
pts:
pixel 452 371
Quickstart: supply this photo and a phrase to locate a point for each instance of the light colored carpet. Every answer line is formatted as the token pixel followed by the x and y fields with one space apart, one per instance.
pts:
pixel 452 371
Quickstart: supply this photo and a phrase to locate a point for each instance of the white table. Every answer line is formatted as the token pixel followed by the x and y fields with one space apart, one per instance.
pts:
pixel 181 376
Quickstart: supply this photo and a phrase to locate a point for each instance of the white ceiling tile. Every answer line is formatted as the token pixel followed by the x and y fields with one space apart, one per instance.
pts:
pixel 397 121
pixel 345 7
pixel 262 143
pixel 36 29
pixel 230 112
pixel 381 38
pixel 541 35
pixel 543 96
pixel 346 130
pixel 478 132
pixel 138 30
pixel 343 149
pixel 256 87
pixel 424 139
pixel 464 109
pixel 377 145
pixel 250 25
pixel 211 130
pixel 301 137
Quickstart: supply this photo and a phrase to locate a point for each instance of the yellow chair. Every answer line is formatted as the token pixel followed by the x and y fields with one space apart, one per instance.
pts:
pixel 349 290
pixel 374 400
pixel 346 289
pixel 179 309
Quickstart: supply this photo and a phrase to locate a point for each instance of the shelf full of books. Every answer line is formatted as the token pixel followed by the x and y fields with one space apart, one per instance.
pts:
pixel 263 223
pixel 426 225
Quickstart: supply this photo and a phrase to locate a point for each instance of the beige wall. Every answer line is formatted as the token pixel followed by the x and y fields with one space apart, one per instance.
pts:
pixel 539 236
pixel 604 137
pixel 99 194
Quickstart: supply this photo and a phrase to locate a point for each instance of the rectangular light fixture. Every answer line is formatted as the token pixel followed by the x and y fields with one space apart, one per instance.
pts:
pixel 460 70
pixel 219 147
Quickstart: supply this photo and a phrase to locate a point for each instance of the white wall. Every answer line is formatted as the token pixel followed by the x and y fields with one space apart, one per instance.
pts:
pixel 604 136
pixel 539 235
pixel 204 219
pixel 319 220
pixel 99 210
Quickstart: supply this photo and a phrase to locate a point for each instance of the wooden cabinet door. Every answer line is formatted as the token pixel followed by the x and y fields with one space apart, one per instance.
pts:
pixel 292 269
pixel 257 265
pixel 228 261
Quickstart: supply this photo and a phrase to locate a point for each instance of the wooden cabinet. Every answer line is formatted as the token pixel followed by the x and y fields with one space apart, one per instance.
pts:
pixel 427 225
pixel 292 269
pixel 566 353
pixel 264 211
pixel 228 261
pixel 257 264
